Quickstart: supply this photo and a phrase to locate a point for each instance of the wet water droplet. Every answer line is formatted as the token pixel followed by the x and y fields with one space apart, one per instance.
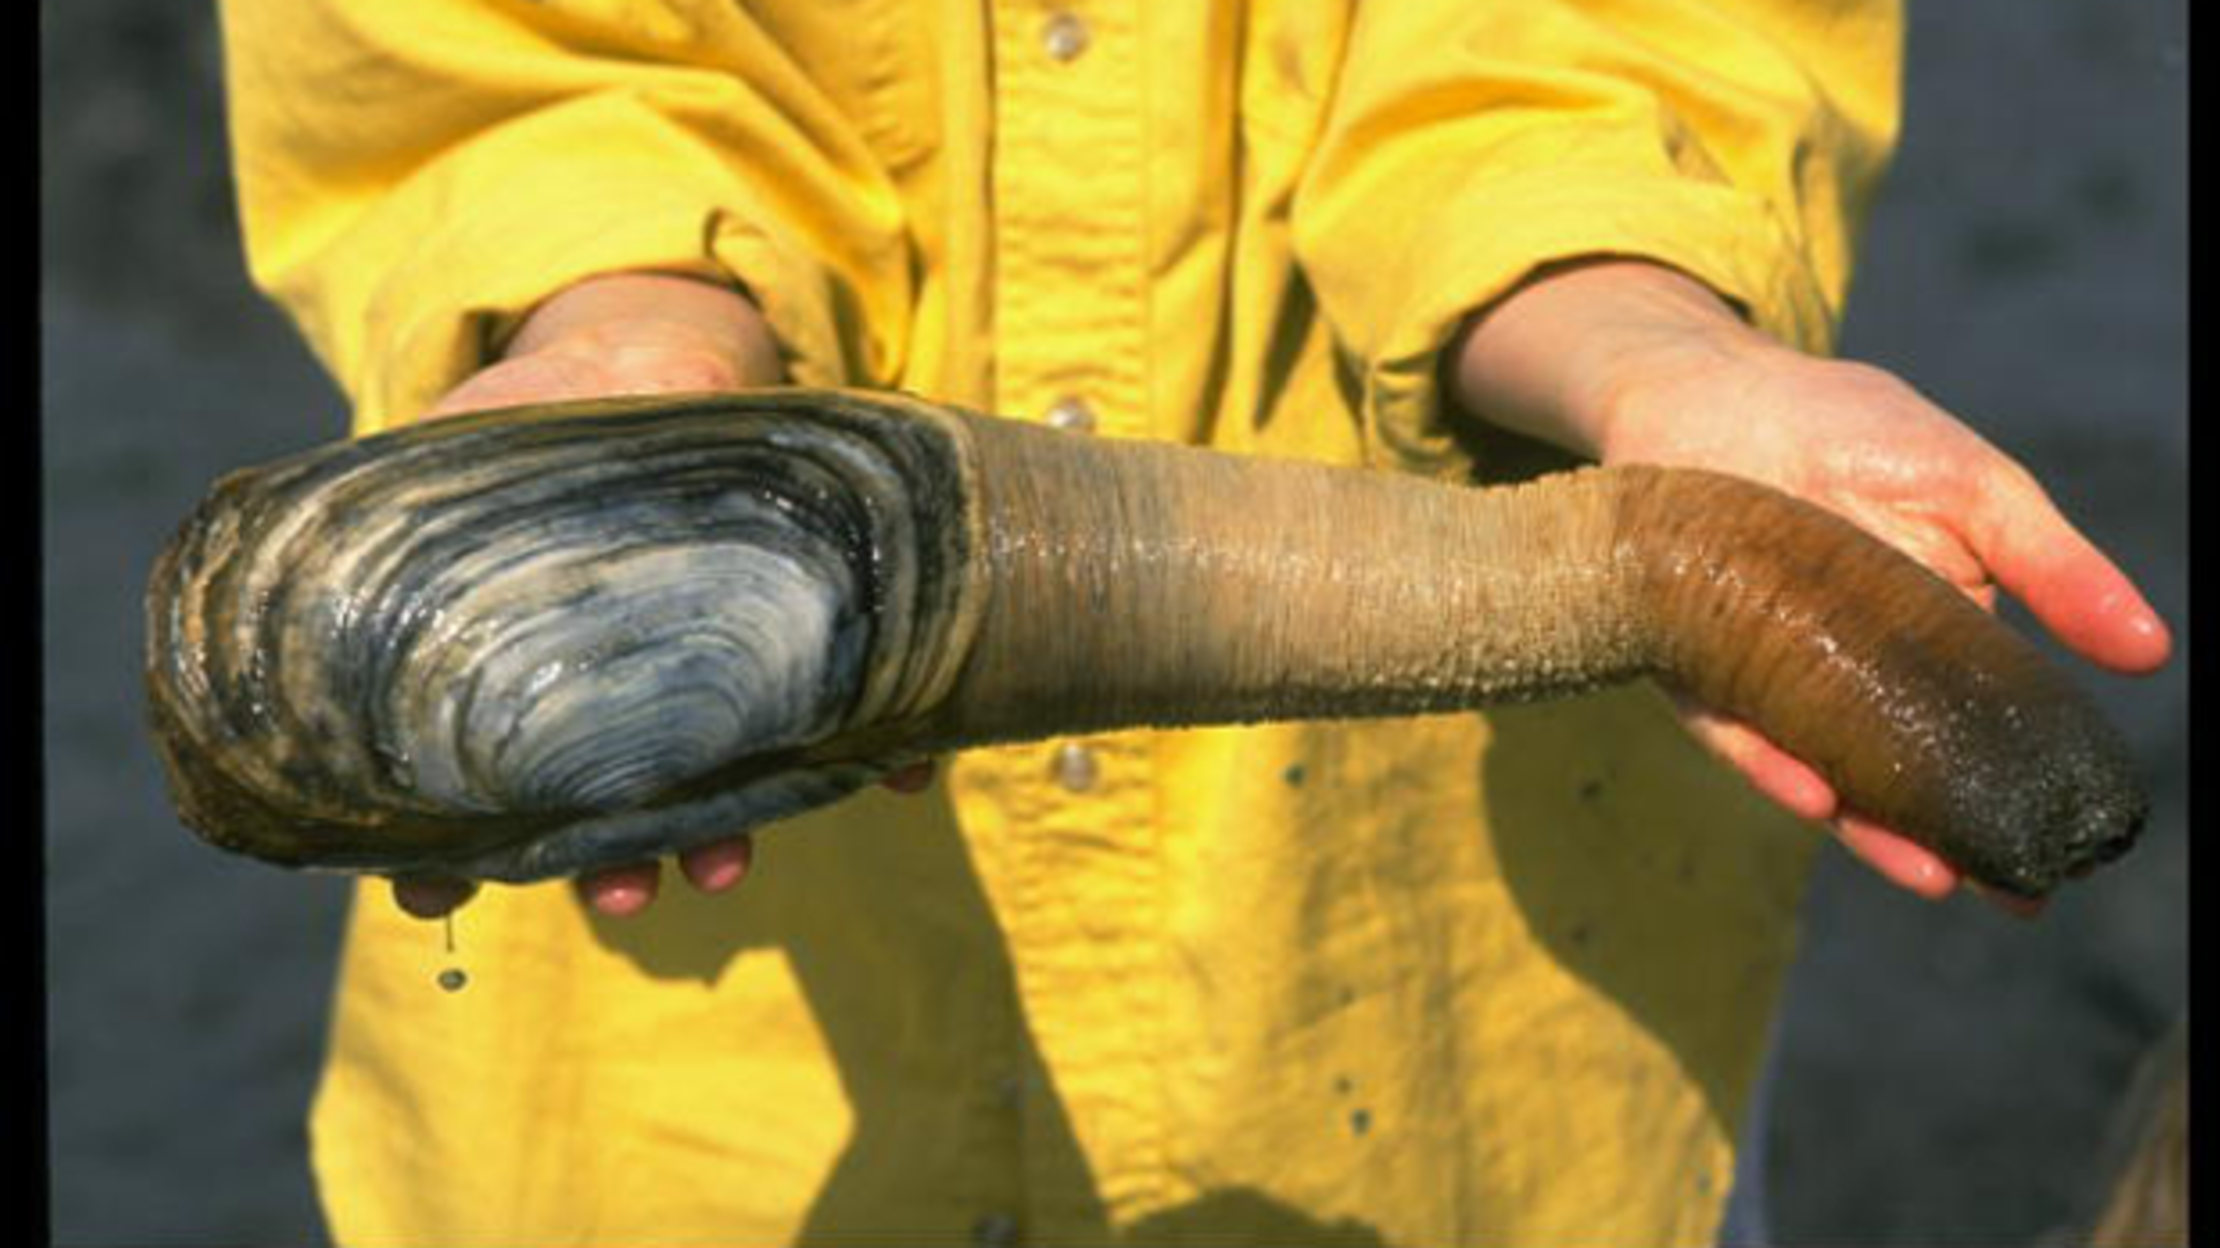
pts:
pixel 452 978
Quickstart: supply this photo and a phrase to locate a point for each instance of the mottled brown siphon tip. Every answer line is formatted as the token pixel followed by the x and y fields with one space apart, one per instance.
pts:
pixel 1926 712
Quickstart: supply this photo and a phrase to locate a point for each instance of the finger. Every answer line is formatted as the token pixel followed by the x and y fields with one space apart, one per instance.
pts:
pixel 914 778
pixel 1919 870
pixel 717 866
pixel 1793 785
pixel 1782 778
pixel 2077 593
pixel 431 896
pixel 619 892
pixel 1901 862
pixel 2010 903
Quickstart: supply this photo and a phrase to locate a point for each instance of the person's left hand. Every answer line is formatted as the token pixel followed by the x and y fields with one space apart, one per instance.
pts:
pixel 1664 373
pixel 1862 443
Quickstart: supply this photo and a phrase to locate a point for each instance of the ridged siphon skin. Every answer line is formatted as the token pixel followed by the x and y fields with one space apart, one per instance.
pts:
pixel 526 643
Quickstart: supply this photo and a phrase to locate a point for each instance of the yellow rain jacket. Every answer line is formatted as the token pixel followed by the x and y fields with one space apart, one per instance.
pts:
pixel 1494 979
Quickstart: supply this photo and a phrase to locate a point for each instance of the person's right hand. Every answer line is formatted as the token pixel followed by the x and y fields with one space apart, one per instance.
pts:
pixel 627 333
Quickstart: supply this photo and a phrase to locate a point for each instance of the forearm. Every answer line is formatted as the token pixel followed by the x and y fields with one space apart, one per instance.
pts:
pixel 1555 359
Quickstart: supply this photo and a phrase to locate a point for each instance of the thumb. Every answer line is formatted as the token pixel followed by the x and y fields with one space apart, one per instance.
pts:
pixel 2070 587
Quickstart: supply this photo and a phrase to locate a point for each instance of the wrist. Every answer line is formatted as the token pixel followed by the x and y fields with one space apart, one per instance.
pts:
pixel 605 316
pixel 1568 355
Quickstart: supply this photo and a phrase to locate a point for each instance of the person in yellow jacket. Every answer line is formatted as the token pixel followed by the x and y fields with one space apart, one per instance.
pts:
pixel 1495 979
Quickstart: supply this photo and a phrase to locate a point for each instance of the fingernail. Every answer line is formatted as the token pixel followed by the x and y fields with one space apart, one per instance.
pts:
pixel 620 900
pixel 619 892
pixel 719 874
pixel 1928 881
pixel 1921 876
pixel 2153 631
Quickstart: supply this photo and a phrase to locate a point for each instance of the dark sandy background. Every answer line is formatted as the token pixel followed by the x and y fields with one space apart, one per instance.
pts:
pixel 1946 1072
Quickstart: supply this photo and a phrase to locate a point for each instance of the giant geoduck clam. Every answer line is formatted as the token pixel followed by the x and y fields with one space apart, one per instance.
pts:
pixel 524 643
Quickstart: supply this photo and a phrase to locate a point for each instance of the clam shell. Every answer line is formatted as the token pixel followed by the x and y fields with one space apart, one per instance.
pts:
pixel 521 644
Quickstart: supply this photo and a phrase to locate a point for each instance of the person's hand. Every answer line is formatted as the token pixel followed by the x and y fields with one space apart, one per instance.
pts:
pixel 1633 363
pixel 632 333
pixel 626 333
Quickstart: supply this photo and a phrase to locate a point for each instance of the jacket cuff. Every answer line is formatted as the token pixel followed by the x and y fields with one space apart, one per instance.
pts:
pixel 447 311
pixel 435 288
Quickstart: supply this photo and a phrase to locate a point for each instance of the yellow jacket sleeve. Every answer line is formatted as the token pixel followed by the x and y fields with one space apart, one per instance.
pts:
pixel 415 175
pixel 1737 140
